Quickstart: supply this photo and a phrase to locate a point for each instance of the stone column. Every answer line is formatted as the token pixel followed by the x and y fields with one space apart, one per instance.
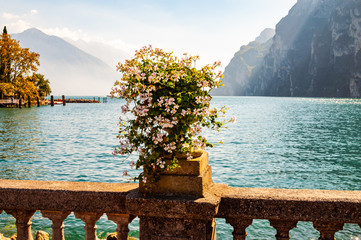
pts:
pixel 122 221
pixel 90 220
pixel 177 228
pixel 283 228
pixel 327 229
pixel 182 205
pixel 23 223
pixel 239 227
pixel 57 217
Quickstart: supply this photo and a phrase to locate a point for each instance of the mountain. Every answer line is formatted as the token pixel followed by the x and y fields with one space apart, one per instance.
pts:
pixel 108 54
pixel 71 71
pixel 245 62
pixel 316 52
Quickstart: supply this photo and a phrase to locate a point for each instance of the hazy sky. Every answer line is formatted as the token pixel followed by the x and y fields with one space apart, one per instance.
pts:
pixel 213 29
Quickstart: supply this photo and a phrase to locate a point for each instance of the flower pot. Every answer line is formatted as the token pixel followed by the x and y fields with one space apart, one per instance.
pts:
pixel 192 178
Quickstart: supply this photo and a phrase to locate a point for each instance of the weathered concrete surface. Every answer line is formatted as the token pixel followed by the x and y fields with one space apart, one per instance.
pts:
pixel 193 167
pixel 191 178
pixel 64 196
pixel 291 204
pixel 173 207
pixel 176 229
pixel 182 185
pixel 178 218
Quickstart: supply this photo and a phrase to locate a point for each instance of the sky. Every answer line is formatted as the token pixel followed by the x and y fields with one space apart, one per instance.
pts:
pixel 212 29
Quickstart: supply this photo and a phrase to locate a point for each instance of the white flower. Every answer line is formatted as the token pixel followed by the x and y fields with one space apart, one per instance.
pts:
pixel 233 119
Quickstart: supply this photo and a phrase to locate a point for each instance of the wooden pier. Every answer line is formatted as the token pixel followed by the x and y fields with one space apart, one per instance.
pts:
pixel 9 102
pixel 12 102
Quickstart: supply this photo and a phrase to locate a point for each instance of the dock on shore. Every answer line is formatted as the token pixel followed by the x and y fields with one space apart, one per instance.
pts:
pixel 12 102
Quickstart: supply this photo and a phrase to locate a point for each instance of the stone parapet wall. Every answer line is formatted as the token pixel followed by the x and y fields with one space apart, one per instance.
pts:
pixel 64 196
pixel 176 217
pixel 291 204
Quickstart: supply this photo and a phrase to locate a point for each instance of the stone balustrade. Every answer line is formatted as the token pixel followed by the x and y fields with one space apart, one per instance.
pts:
pixel 327 209
pixel 56 200
pixel 176 217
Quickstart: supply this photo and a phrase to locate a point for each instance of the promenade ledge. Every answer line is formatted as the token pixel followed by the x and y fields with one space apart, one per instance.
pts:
pixel 176 217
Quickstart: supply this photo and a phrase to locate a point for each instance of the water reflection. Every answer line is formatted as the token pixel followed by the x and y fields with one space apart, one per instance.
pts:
pixel 275 143
pixel 20 135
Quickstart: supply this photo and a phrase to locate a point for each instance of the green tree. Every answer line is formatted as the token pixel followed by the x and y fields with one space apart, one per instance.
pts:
pixel 42 84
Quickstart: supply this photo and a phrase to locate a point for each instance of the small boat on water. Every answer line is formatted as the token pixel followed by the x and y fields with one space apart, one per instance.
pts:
pixel 56 102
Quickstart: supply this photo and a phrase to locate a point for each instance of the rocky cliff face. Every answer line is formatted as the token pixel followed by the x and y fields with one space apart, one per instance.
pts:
pixel 316 52
pixel 246 61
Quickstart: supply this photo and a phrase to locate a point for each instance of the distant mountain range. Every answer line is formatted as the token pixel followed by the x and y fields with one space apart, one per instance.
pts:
pixel 108 54
pixel 316 52
pixel 71 69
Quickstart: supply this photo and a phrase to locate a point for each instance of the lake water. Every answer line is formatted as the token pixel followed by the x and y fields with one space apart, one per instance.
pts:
pixel 301 143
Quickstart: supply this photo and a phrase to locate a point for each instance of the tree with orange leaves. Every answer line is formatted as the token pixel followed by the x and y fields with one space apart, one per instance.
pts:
pixel 17 64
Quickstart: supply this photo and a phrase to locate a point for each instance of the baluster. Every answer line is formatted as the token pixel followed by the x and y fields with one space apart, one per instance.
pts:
pixel 23 223
pixel 57 217
pixel 327 229
pixel 283 228
pixel 239 227
pixel 122 221
pixel 90 220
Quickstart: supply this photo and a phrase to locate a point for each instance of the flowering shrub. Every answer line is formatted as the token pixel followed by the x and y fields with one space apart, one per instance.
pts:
pixel 169 103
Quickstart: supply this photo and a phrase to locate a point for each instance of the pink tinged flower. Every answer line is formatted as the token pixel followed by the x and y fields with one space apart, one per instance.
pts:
pixel 233 119
pixel 125 109
pixel 114 152
pixel 132 164
pixel 125 173
pixel 144 179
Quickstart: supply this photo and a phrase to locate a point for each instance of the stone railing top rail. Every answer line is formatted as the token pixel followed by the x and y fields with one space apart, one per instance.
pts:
pixel 302 205
pixel 66 186
pixel 327 209
pixel 291 204
pixel 64 196
pixel 293 194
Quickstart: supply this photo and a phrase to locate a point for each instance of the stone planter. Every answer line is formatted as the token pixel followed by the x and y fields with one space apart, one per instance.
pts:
pixel 182 205
pixel 192 178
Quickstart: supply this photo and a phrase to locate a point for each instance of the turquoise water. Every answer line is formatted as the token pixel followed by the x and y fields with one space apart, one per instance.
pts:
pixel 275 143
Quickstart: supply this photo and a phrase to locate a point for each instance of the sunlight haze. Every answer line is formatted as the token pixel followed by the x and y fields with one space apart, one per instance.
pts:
pixel 215 30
